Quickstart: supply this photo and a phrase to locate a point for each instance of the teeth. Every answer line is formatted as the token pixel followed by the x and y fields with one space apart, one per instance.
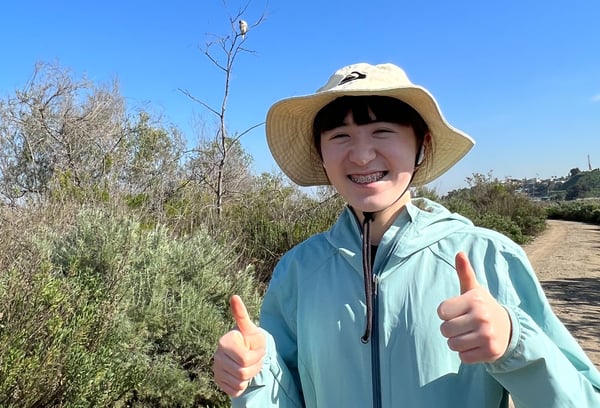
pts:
pixel 367 178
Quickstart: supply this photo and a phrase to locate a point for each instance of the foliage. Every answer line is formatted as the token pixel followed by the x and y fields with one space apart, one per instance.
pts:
pixel 149 163
pixel 59 339
pixel 57 346
pixel 491 204
pixel 587 210
pixel 58 130
pixel 581 184
pixel 273 218
pixel 98 311
pixel 425 192
pixel 65 138
pixel 219 182
pixel 179 306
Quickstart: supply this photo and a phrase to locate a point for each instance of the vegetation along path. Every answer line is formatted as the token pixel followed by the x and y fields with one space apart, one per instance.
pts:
pixel 566 258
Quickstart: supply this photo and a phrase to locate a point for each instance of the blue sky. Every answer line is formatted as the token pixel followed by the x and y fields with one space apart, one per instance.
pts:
pixel 522 77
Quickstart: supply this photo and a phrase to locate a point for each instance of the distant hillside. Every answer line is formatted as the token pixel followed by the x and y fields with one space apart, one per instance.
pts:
pixel 581 184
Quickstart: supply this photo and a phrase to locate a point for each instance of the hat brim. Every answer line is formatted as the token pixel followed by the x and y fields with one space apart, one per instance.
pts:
pixel 289 128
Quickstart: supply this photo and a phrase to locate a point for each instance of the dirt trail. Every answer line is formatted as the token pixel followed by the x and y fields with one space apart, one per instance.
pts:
pixel 566 258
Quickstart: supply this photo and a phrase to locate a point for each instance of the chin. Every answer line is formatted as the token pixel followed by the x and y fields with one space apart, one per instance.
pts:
pixel 374 206
pixel 369 206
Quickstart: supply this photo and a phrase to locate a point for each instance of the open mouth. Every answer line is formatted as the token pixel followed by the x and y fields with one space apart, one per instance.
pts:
pixel 367 178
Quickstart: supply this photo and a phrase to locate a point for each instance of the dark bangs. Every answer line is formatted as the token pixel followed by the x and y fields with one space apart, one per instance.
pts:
pixel 383 108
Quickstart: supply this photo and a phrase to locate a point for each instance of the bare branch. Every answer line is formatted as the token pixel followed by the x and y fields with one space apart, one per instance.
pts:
pixel 238 137
pixel 224 151
pixel 193 98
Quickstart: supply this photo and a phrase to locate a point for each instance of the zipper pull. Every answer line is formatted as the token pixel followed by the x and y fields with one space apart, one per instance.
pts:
pixel 375 284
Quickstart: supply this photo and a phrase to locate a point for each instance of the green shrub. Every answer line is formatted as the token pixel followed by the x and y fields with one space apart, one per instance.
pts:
pixel 178 306
pixel 503 224
pixel 580 210
pixel 491 204
pixel 274 218
pixel 59 342
pixel 462 207
pixel 98 311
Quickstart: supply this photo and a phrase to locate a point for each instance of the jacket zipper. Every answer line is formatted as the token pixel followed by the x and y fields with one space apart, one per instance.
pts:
pixel 375 366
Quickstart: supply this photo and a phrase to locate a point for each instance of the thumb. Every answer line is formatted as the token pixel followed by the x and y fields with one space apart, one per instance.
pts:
pixel 466 274
pixel 242 319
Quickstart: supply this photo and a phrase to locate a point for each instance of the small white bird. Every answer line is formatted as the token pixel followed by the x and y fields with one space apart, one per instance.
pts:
pixel 243 28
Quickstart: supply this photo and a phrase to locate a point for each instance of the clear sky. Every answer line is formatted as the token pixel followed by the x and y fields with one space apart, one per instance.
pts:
pixel 522 77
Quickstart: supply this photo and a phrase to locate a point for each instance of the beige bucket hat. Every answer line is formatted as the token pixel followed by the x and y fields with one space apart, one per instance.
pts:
pixel 289 124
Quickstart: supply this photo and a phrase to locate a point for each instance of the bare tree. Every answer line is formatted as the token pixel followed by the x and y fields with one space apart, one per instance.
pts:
pixel 223 51
pixel 57 131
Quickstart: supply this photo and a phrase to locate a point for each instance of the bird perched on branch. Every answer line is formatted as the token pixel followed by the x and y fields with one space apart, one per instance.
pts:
pixel 243 28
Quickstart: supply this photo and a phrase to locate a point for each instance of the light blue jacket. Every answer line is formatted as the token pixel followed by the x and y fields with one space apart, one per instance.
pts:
pixel 314 314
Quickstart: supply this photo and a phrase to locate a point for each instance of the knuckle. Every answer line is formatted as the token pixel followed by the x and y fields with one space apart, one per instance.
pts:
pixel 468 357
pixel 246 360
pixel 486 333
pixel 482 315
pixel 441 311
pixel 225 341
pixel 241 386
pixel 244 374
pixel 444 329
pixel 452 344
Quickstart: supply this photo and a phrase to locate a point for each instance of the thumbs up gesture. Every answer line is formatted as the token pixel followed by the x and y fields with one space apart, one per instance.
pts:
pixel 240 352
pixel 475 324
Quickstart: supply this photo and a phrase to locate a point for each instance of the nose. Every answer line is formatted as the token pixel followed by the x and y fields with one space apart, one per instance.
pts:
pixel 362 151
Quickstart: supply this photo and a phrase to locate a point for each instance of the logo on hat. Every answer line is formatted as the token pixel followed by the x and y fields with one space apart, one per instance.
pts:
pixel 354 75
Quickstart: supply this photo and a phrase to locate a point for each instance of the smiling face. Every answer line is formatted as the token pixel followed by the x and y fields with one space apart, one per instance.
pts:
pixel 369 153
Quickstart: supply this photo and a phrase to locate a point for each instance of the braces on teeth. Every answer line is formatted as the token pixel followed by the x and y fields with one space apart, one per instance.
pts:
pixel 367 179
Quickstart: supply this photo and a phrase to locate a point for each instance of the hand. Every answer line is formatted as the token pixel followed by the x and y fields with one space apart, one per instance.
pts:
pixel 240 352
pixel 476 325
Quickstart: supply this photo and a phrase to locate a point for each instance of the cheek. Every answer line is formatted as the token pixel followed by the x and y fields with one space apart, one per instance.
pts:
pixel 328 156
pixel 329 166
pixel 404 155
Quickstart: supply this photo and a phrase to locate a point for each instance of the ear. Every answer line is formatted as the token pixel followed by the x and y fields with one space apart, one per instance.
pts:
pixel 421 155
pixel 423 150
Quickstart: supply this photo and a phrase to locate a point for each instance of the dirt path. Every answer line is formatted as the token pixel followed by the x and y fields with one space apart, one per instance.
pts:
pixel 566 258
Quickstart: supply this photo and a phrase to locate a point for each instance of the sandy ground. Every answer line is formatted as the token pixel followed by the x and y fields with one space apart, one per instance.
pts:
pixel 566 258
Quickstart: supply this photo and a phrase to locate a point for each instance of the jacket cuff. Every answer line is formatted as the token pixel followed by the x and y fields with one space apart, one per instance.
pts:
pixel 513 357
pixel 268 370
pixel 274 382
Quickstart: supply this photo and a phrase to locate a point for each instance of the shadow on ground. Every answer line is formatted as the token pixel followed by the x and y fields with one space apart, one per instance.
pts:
pixel 579 303
pixel 596 242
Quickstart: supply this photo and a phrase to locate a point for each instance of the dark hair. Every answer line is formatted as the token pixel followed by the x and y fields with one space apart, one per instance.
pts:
pixel 382 108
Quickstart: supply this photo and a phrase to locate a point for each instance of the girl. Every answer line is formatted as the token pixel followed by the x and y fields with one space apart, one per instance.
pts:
pixel 401 303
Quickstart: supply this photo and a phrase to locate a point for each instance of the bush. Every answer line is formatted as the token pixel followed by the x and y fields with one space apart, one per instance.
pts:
pixel 502 224
pixel 98 311
pixel 274 218
pixel 59 339
pixel 491 204
pixel 581 210
pixel 179 308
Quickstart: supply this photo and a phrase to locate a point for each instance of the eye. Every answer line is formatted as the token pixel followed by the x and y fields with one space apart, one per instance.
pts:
pixel 382 131
pixel 335 135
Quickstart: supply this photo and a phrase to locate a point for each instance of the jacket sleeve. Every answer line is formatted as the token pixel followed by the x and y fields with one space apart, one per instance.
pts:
pixel 277 384
pixel 273 386
pixel 544 366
